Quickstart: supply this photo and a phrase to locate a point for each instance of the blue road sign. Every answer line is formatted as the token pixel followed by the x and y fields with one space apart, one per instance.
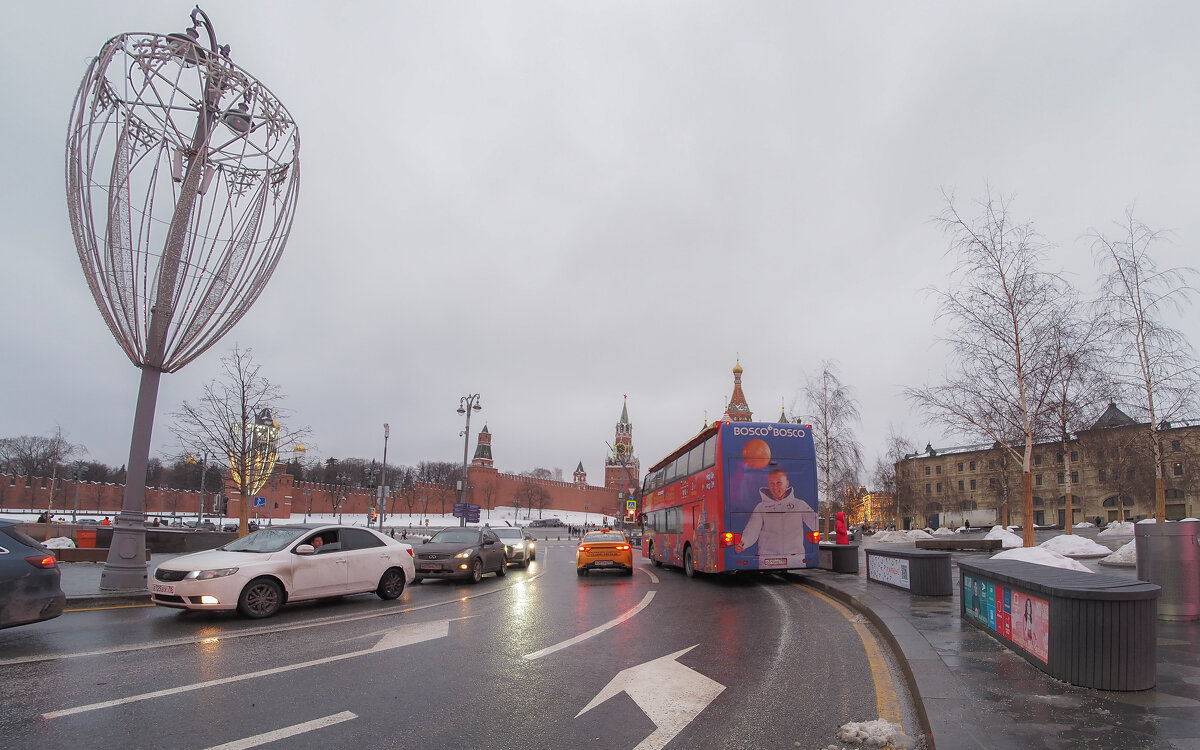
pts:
pixel 260 502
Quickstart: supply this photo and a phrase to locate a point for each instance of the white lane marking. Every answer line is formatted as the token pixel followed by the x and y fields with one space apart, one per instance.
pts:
pixel 647 571
pixel 285 732
pixel 264 630
pixel 594 631
pixel 669 693
pixel 401 636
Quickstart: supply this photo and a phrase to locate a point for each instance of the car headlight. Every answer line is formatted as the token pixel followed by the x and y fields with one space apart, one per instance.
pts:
pixel 465 553
pixel 204 575
pixel 519 545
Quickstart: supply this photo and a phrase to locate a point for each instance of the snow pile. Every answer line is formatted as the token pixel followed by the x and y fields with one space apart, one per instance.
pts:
pixel 59 542
pixel 1125 556
pixel 1118 528
pixel 1040 556
pixel 1085 525
pixel 1148 520
pixel 943 531
pixel 1007 538
pixel 900 537
pixel 1075 546
pixel 878 733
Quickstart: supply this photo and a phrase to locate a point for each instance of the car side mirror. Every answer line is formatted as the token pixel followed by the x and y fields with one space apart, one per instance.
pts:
pixel 488 541
pixel 425 541
pixel 305 549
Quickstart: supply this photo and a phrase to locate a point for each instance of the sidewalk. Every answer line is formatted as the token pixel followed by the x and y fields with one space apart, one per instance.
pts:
pixel 975 693
pixel 81 583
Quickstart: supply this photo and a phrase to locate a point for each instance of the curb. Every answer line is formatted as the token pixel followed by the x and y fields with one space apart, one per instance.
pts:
pixel 99 601
pixel 941 711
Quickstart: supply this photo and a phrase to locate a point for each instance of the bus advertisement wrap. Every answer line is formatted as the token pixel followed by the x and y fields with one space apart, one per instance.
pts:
pixel 771 496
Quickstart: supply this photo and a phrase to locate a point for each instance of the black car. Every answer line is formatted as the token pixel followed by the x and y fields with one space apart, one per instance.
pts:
pixel 29 579
pixel 463 552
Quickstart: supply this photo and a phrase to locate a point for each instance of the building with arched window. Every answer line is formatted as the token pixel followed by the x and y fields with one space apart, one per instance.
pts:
pixel 1107 469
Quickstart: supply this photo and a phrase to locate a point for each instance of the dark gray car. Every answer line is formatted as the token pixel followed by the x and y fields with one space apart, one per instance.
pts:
pixel 465 553
pixel 29 579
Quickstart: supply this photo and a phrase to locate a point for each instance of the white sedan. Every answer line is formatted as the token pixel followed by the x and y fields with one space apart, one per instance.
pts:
pixel 259 573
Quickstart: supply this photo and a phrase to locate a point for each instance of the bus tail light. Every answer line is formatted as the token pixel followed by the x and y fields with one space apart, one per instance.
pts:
pixel 730 539
pixel 814 537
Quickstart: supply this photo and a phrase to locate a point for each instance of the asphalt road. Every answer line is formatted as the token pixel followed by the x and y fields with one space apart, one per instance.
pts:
pixel 538 659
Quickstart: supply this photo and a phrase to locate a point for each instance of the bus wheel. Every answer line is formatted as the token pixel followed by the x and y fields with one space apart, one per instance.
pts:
pixel 689 565
pixel 655 560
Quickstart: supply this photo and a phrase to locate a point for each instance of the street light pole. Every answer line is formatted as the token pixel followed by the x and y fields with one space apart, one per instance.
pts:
pixel 466 405
pixel 383 491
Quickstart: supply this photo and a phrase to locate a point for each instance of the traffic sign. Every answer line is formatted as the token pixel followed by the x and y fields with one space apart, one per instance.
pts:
pixel 260 502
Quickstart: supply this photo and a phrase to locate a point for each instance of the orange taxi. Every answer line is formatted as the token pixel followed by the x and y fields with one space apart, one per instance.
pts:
pixel 604 550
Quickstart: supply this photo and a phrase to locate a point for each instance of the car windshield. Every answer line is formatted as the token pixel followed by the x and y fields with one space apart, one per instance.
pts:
pixel 455 536
pixel 601 536
pixel 509 533
pixel 265 540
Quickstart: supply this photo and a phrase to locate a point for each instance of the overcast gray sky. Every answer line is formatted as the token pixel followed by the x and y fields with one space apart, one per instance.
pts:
pixel 555 204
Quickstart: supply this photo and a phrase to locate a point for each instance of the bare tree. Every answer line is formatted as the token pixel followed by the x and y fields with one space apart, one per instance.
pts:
pixel 34 455
pixel 487 492
pixel 1153 359
pixel 1002 311
pixel 237 421
pixel 1078 384
pixel 834 412
pixel 888 479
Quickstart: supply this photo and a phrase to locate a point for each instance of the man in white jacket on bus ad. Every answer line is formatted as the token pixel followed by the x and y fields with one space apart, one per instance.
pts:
pixel 777 523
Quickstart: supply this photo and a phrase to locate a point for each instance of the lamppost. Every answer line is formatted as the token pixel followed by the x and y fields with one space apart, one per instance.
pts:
pixel 383 488
pixel 371 475
pixel 466 405
pixel 78 473
pixel 343 481
pixel 182 180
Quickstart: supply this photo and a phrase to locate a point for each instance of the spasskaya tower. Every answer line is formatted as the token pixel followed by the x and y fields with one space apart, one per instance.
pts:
pixel 622 469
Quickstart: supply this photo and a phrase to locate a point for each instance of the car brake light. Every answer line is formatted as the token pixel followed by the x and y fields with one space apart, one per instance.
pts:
pixel 584 548
pixel 814 537
pixel 41 561
pixel 622 546
pixel 730 539
pixel 410 552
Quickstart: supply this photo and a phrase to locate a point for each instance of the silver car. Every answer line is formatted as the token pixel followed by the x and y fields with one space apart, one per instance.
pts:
pixel 519 547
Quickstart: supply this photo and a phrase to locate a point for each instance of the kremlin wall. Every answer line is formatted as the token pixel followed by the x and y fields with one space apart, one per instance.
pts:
pixel 288 499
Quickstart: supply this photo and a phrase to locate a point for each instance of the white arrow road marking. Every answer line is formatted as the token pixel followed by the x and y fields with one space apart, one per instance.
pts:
pixel 594 631
pixel 285 732
pixel 401 636
pixel 670 694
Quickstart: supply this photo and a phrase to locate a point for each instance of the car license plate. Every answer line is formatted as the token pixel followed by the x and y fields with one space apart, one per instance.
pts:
pixel 774 561
pixel 603 562
pixel 162 588
pixel 431 566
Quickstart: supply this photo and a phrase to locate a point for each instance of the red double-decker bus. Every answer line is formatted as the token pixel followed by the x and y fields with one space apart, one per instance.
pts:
pixel 739 496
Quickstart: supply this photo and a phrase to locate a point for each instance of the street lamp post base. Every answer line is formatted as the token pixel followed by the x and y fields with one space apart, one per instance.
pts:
pixel 125 569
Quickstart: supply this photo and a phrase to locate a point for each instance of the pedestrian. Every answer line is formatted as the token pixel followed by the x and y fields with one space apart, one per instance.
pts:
pixel 967 525
pixel 839 528
pixel 106 522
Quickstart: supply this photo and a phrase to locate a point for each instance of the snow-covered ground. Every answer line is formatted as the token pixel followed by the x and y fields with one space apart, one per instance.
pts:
pixel 1073 545
pixel 502 516
pixel 1008 539
pixel 1040 556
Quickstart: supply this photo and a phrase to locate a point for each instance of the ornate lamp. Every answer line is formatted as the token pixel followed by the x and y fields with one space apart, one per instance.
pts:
pixel 182 177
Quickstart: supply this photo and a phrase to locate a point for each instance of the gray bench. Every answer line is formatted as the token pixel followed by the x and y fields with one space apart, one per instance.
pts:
pixel 920 572
pixel 1088 629
pixel 839 558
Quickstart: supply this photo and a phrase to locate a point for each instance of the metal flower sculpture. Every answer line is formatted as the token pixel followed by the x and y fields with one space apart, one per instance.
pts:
pixel 182 178
pixel 252 465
